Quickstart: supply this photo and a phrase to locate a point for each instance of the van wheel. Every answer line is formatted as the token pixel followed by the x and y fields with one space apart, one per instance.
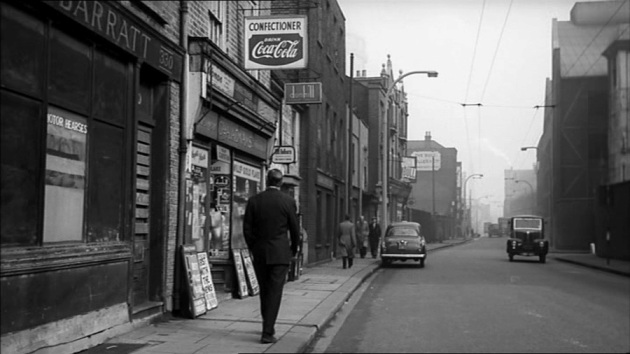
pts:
pixel 542 258
pixel 385 263
pixel 511 257
pixel 421 265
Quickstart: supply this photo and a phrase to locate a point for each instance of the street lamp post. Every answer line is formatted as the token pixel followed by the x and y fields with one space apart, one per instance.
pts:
pixel 476 175
pixel 385 152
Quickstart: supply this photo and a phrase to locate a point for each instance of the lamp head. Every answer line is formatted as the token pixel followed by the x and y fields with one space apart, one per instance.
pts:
pixel 432 74
pixel 523 148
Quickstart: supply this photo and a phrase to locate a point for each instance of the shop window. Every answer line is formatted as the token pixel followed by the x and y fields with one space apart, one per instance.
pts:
pixel 20 172
pixel 70 60
pixel 65 176
pixel 247 180
pixel 105 198
pixel 22 48
pixel 110 88
pixel 199 198
pixel 63 164
pixel 221 195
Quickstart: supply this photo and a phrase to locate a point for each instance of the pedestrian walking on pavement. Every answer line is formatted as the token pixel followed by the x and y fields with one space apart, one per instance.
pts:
pixel 269 215
pixel 374 236
pixel 347 241
pixel 362 236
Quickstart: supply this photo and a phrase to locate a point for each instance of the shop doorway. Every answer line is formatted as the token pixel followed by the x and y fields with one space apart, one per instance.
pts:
pixel 150 210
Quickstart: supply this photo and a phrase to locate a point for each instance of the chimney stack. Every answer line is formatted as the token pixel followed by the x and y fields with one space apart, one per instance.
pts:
pixel 427 136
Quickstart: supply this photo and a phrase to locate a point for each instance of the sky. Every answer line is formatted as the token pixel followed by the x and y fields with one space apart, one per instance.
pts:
pixel 493 52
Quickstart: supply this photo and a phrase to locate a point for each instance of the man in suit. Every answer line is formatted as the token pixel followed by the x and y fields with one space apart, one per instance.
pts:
pixel 374 236
pixel 269 215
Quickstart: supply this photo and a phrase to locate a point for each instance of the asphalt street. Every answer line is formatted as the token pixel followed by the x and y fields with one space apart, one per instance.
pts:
pixel 471 299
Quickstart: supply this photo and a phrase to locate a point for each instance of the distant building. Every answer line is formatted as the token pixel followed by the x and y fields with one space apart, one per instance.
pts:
pixel 520 193
pixel 435 190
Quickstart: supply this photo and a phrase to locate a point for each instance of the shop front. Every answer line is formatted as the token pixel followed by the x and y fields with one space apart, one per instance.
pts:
pixel 85 124
pixel 233 130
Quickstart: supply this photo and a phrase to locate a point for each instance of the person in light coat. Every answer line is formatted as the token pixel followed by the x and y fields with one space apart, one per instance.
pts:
pixel 362 236
pixel 347 241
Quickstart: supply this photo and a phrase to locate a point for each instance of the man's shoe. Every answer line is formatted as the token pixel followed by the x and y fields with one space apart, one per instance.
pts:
pixel 268 339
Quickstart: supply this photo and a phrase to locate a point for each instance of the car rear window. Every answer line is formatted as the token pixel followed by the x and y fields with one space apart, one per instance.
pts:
pixel 402 231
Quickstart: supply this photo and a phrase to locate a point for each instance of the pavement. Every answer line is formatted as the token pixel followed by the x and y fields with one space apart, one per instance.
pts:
pixel 308 305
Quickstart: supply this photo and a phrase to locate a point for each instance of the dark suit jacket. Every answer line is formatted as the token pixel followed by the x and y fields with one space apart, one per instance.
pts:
pixel 268 217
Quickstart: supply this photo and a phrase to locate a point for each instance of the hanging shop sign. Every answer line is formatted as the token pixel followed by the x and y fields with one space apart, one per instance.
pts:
pixel 283 154
pixel 303 92
pixel 427 160
pixel 124 31
pixel 275 42
pixel 409 168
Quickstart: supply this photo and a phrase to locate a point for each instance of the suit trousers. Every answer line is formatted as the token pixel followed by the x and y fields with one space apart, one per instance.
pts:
pixel 271 279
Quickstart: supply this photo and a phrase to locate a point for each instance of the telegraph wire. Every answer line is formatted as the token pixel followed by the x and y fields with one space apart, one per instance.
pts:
pixel 470 72
pixel 496 50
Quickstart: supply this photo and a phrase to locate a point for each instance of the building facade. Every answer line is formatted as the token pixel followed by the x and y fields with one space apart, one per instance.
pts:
pixel 576 138
pixel 434 193
pixel 91 107
pixel 370 102
pixel 324 126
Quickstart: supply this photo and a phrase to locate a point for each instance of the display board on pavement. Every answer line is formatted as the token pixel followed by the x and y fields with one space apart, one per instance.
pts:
pixel 196 297
pixel 240 274
pixel 252 281
pixel 206 281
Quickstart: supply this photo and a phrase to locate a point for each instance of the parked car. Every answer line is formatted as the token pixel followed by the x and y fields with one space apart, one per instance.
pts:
pixel 403 241
pixel 527 237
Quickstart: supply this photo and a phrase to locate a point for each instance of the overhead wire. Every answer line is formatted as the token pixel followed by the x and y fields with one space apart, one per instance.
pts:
pixel 485 86
pixel 470 72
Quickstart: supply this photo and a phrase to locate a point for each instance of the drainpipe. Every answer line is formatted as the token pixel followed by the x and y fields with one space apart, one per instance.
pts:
pixel 183 149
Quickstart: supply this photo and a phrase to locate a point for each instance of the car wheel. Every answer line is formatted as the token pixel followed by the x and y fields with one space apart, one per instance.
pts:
pixel 511 257
pixel 542 258
pixel 421 265
pixel 385 263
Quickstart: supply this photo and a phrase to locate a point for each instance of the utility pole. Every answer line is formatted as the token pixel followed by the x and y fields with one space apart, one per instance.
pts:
pixel 350 134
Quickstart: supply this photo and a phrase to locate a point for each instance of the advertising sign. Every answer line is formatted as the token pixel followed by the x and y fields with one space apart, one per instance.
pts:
pixel 409 168
pixel 303 92
pixel 427 160
pixel 275 42
pixel 283 154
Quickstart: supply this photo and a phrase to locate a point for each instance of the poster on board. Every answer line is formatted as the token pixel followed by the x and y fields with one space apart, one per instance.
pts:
pixel 252 281
pixel 240 274
pixel 209 292
pixel 196 296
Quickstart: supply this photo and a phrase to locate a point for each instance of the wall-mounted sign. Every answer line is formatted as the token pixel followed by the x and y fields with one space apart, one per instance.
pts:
pixel 223 154
pixel 128 33
pixel 303 92
pixel 276 42
pixel 283 154
pixel 427 160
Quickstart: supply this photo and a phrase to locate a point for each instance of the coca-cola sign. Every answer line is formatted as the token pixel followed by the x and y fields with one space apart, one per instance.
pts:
pixel 275 42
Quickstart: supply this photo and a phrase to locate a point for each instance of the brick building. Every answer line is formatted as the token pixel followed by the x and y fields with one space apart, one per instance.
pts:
pixel 323 128
pixel 91 107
